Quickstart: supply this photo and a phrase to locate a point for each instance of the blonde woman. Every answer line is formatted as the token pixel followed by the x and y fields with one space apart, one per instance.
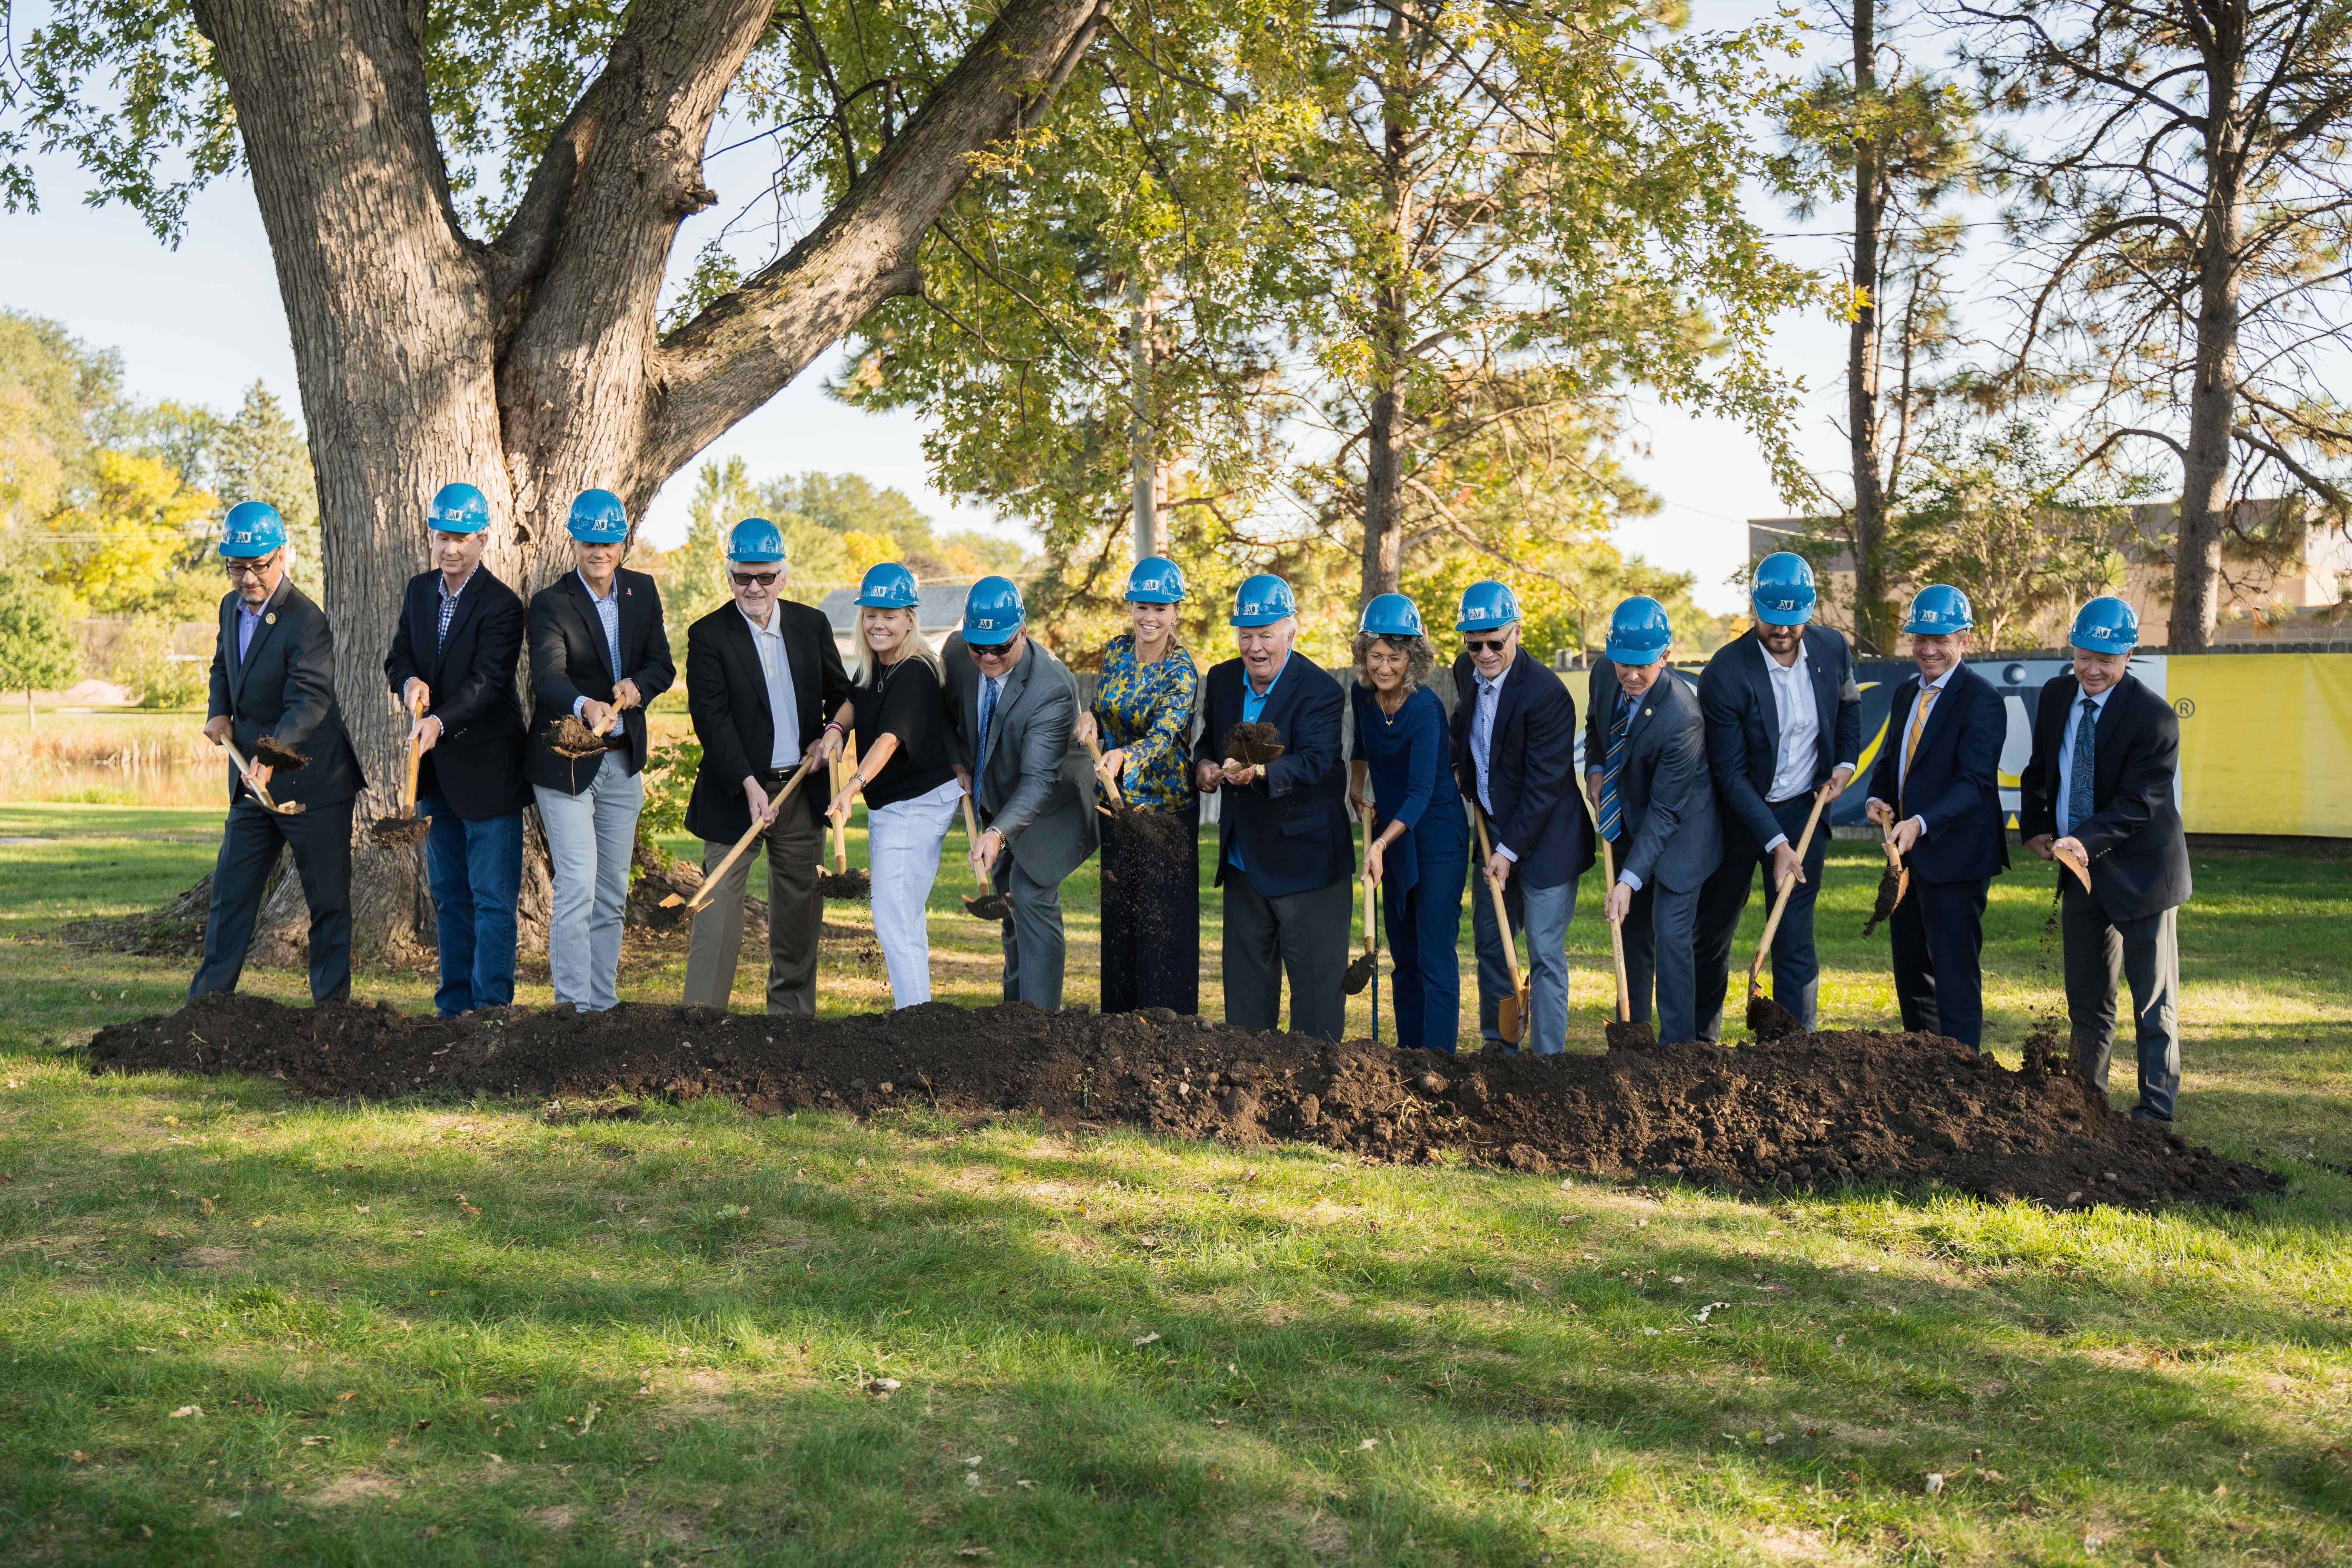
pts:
pixel 905 770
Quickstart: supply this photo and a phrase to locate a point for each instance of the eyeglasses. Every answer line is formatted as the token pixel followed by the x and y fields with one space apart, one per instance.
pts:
pixel 755 579
pixel 988 650
pixel 240 570
pixel 1486 645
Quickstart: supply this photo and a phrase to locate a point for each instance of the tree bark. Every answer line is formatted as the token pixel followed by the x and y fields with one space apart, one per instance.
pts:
pixel 531 366
pixel 2213 395
pixel 1862 346
pixel 1383 548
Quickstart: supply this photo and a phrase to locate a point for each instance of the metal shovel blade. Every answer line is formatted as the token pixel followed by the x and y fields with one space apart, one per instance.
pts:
pixel 988 907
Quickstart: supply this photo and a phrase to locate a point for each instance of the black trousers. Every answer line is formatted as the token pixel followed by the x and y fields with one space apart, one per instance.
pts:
pixel 1723 898
pixel 1304 935
pixel 2144 953
pixel 1660 940
pixel 1151 914
pixel 1937 933
pixel 321 838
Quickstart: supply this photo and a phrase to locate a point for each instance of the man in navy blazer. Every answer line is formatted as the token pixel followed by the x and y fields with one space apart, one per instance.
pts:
pixel 1783 724
pixel 1514 757
pixel 1937 783
pixel 452 665
pixel 1646 768
pixel 274 674
pixel 1284 856
pixel 598 653
pixel 2099 786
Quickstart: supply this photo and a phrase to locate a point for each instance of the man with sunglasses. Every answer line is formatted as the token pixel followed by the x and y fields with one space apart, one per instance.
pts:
pixel 274 674
pixel 1012 706
pixel 1515 756
pixel 765 684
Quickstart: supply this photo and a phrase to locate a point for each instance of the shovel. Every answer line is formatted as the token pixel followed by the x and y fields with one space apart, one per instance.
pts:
pixel 841 882
pixel 1620 1033
pixel 406 832
pixel 1366 966
pixel 1893 882
pixel 991 905
pixel 2075 863
pixel 1767 1019
pixel 577 742
pixel 710 878
pixel 1119 805
pixel 261 791
pixel 1511 1011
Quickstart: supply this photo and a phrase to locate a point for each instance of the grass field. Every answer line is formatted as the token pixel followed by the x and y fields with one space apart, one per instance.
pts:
pixel 237 1326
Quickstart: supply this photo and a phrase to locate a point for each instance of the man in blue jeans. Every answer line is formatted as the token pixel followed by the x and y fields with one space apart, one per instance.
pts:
pixel 1515 756
pixel 453 666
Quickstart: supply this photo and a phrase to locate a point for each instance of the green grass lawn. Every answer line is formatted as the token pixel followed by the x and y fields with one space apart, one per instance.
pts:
pixel 236 1325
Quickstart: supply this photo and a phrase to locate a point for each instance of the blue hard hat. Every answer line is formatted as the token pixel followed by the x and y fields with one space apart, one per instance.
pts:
pixel 1391 616
pixel 598 517
pixel 1938 611
pixel 755 539
pixel 1639 632
pixel 252 528
pixel 1782 592
pixel 993 611
pixel 458 508
pixel 888 586
pixel 2106 624
pixel 1156 580
pixel 1484 607
pixel 1262 600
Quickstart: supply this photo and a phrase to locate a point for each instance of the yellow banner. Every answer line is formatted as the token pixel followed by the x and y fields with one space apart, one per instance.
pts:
pixel 2265 742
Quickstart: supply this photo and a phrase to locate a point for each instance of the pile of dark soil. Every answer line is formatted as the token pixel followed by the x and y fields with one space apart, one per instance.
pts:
pixel 1253 744
pixel 1810 1110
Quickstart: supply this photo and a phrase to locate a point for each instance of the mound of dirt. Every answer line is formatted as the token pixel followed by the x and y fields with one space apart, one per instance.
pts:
pixel 1806 1110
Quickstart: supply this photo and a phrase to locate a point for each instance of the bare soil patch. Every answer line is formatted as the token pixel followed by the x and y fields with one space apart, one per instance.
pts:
pixel 1806 1110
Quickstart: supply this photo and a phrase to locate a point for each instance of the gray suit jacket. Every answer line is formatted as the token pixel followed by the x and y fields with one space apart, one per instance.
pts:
pixel 1033 790
pixel 1665 792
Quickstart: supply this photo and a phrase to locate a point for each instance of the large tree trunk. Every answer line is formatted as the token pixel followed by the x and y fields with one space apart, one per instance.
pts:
pixel 2213 396
pixel 1384 426
pixel 531 366
pixel 1862 354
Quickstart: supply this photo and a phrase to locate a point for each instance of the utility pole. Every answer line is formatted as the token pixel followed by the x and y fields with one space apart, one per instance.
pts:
pixel 1143 461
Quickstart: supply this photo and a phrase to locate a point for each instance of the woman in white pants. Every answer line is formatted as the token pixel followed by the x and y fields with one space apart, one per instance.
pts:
pixel 912 792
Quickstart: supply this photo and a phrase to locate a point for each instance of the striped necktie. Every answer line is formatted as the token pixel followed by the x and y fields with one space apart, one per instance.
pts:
pixel 1927 695
pixel 1612 819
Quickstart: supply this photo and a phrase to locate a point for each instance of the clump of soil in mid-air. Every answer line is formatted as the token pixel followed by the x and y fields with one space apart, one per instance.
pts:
pixel 1811 1109
pixel 279 756
pixel 570 738
pixel 1253 744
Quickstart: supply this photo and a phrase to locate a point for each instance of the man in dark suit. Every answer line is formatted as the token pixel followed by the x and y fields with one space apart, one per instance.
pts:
pixel 1783 724
pixel 762 674
pixel 1011 707
pixel 1285 855
pixel 2099 788
pixel 274 674
pixel 453 665
pixel 1937 783
pixel 598 653
pixel 1514 757
pixel 1646 768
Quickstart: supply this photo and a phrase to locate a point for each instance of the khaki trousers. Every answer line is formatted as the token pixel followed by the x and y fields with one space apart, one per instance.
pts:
pixel 793 843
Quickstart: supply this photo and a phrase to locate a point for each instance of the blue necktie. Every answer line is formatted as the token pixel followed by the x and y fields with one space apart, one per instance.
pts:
pixel 1611 818
pixel 987 712
pixel 2086 763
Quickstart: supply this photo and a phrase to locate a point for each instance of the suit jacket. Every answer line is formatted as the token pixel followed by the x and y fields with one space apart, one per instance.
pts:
pixel 1743 724
pixel 477 764
pixel 1033 787
pixel 1531 769
pixel 570 659
pixel 285 687
pixel 1955 781
pixel 2139 857
pixel 1291 825
pixel 727 693
pixel 1669 833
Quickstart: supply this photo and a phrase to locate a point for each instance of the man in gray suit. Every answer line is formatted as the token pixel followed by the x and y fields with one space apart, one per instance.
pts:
pixel 1011 705
pixel 1645 761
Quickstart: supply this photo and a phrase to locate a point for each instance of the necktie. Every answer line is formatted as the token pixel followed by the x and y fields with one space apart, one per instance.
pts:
pixel 1919 728
pixel 987 712
pixel 2086 763
pixel 1611 818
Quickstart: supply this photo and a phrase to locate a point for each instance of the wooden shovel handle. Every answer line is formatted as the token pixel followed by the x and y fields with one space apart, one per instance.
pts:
pixel 1108 782
pixel 416 753
pixel 1788 886
pixel 710 878
pixel 972 832
pixel 244 770
pixel 1502 911
pixel 1616 935
pixel 1371 932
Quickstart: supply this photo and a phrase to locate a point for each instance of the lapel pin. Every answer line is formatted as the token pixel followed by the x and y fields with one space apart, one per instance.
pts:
pixel 270 619
pixel 1645 713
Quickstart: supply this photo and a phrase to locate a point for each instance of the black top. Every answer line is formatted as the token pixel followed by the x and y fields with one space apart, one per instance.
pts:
pixel 1290 826
pixel 912 706
pixel 477 764
pixel 1954 782
pixel 570 659
pixel 727 693
pixel 285 686
pixel 1531 769
pixel 2139 859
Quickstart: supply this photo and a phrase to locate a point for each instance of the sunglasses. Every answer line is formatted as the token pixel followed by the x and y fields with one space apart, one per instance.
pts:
pixel 989 649
pixel 755 579
pixel 1486 645
pixel 240 570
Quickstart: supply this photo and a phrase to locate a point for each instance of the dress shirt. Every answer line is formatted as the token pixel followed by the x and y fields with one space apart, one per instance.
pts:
pixel 449 601
pixel 767 642
pixel 247 617
pixel 608 612
pixel 1905 744
pixel 1801 725
pixel 1481 731
pixel 2066 752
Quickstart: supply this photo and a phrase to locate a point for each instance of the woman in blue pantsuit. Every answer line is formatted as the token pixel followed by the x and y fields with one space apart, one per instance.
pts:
pixel 1418 857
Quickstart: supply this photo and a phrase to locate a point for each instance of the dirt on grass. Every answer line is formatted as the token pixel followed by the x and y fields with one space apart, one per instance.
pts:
pixel 1806 1110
